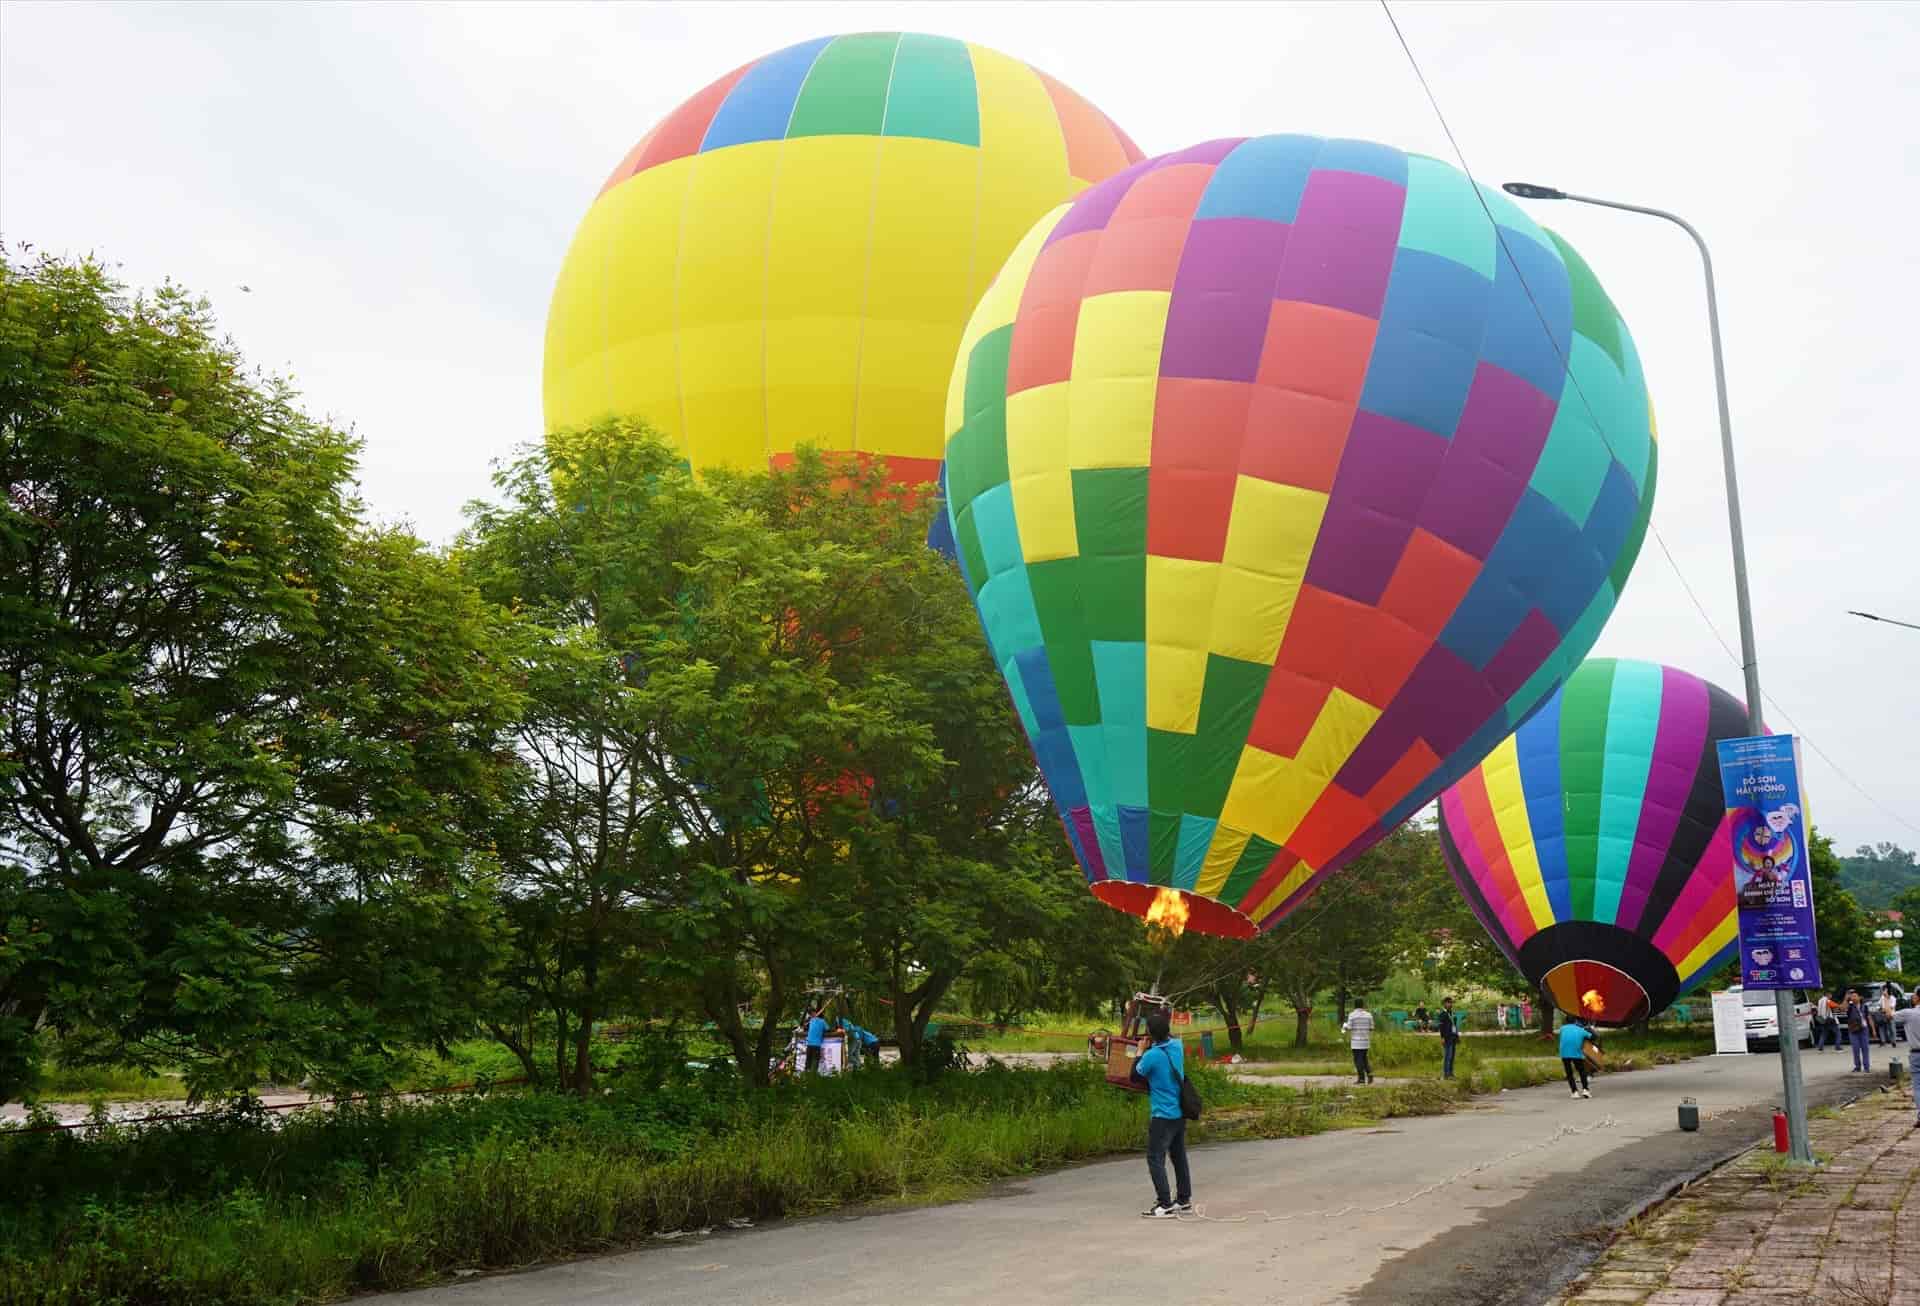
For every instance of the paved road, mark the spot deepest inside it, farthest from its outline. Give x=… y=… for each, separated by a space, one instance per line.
x=1487 y=1206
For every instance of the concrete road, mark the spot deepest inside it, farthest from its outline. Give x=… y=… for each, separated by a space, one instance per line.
x=1492 y=1205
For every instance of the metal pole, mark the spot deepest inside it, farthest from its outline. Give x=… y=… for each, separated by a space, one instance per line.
x=1796 y=1100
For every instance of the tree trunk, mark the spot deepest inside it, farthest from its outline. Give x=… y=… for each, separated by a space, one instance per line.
x=1300 y=1015
x=1223 y=999
x=1545 y=1016
x=583 y=1052
x=560 y=1076
x=1253 y=1016
x=1340 y=1003
x=521 y=1052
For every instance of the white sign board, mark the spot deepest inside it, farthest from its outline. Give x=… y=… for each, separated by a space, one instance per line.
x=1729 y=1025
x=833 y=1054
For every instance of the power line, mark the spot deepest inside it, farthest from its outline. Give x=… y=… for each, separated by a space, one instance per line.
x=1500 y=236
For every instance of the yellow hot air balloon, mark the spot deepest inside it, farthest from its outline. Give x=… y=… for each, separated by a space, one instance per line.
x=791 y=255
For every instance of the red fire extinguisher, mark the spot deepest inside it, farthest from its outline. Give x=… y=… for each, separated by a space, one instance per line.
x=1779 y=1130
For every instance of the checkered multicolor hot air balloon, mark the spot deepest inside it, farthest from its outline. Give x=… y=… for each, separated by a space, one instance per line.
x=790 y=256
x=1594 y=844
x=1279 y=504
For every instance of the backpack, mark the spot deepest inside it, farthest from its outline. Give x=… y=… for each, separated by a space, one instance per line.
x=1190 y=1107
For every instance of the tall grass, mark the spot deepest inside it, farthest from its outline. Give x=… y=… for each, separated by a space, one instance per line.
x=397 y=1195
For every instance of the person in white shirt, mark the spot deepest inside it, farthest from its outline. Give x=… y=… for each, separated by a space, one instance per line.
x=1826 y=1029
x=1359 y=1032
x=1907 y=1021
x=1883 y=1019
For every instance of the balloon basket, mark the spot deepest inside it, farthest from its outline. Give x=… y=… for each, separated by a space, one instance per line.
x=1120 y=1054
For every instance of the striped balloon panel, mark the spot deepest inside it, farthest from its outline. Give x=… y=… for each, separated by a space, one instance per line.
x=1289 y=476
x=790 y=256
x=1605 y=808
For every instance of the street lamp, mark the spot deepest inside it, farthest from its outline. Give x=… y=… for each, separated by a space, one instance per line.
x=1854 y=612
x=1796 y=1102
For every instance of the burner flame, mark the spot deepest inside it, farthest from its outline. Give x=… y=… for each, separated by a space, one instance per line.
x=1592 y=1001
x=1167 y=917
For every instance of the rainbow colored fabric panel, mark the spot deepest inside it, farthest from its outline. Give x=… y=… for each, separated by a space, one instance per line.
x=1268 y=474
x=1605 y=809
x=790 y=256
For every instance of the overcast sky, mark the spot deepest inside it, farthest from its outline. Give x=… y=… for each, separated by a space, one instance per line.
x=397 y=185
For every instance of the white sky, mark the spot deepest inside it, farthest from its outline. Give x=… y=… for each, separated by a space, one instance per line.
x=398 y=184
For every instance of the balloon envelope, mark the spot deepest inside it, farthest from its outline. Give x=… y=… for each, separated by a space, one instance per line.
x=1594 y=844
x=1280 y=506
x=790 y=256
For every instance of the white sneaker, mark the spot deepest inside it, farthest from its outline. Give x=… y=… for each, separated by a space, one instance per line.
x=1586 y=1092
x=1183 y=1208
x=1575 y=1094
x=1159 y=1212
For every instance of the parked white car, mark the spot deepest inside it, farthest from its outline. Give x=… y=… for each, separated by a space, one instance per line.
x=1763 y=1019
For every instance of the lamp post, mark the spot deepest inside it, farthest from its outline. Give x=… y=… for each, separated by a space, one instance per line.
x=1892 y=958
x=1796 y=1102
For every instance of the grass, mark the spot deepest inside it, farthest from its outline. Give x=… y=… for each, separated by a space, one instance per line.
x=106 y=1084
x=236 y=1210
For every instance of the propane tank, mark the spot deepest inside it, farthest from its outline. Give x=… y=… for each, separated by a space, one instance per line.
x=1779 y=1130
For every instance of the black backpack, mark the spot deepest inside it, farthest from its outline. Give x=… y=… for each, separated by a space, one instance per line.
x=1190 y=1106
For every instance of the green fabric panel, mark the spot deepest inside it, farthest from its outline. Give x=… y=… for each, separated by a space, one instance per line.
x=1163 y=844
x=1633 y=720
x=966 y=533
x=1253 y=860
x=1443 y=216
x=977 y=452
x=1623 y=565
x=1110 y=510
x=1193 y=772
x=1056 y=596
x=1583 y=743
x=1113 y=598
x=933 y=93
x=845 y=93
x=1594 y=315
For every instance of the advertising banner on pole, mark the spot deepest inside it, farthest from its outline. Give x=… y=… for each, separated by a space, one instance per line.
x=1729 y=1024
x=1772 y=869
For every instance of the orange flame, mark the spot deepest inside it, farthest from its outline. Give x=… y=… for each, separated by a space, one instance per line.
x=1167 y=917
x=1592 y=1000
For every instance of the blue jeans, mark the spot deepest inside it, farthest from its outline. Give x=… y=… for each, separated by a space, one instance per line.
x=1168 y=1138
x=1862 y=1060
x=1913 y=1076
x=1447 y=1049
x=1823 y=1034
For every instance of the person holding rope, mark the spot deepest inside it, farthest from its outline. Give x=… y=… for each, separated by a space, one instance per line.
x=1161 y=1068
x=1575 y=1039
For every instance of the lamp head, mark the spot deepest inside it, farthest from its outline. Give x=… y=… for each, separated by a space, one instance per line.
x=1526 y=190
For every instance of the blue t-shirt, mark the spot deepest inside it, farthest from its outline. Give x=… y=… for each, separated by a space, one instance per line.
x=1157 y=1065
x=816 y=1032
x=1572 y=1038
x=866 y=1036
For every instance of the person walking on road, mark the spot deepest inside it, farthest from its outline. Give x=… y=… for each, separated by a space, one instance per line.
x=1575 y=1039
x=1857 y=1032
x=1883 y=1016
x=1161 y=1068
x=1449 y=1037
x=1359 y=1031
x=1907 y=1021
x=1824 y=1026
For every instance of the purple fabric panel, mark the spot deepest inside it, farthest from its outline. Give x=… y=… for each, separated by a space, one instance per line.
x=1677 y=748
x=1530 y=645
x=1343 y=243
x=1384 y=475
x=1443 y=702
x=1082 y=819
x=1217 y=321
x=1205 y=152
x=1498 y=441
x=1095 y=205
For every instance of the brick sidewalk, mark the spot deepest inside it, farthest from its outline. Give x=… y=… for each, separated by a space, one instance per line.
x=1755 y=1233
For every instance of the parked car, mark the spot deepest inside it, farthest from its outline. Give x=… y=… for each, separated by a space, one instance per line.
x=1763 y=1017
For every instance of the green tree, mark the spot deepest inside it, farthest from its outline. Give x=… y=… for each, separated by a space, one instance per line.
x=1848 y=952
x=244 y=739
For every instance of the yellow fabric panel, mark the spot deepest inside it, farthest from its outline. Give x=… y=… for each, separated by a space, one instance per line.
x=1721 y=935
x=1023 y=158
x=1116 y=376
x=816 y=267
x=1501 y=771
x=1287 y=887
x=1271 y=795
x=1653 y=427
x=1272 y=528
x=610 y=342
x=1043 y=509
x=996 y=309
x=719 y=300
x=1180 y=595
x=1037 y=429
x=1223 y=854
x=1251 y=615
x=925 y=198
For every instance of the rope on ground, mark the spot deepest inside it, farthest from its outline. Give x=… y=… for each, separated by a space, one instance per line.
x=1262 y=1216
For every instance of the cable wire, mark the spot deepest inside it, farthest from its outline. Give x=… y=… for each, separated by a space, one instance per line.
x=1566 y=363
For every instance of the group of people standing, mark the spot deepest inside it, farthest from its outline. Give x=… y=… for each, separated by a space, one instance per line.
x=1862 y=1020
x=1358 y=1027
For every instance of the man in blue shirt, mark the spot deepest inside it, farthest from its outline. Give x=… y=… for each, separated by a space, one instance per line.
x=1161 y=1068
x=816 y=1038
x=1574 y=1038
x=865 y=1039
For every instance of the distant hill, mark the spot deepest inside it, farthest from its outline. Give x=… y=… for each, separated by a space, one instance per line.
x=1876 y=875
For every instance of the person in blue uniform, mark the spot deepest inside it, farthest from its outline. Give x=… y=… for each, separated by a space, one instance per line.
x=1161 y=1068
